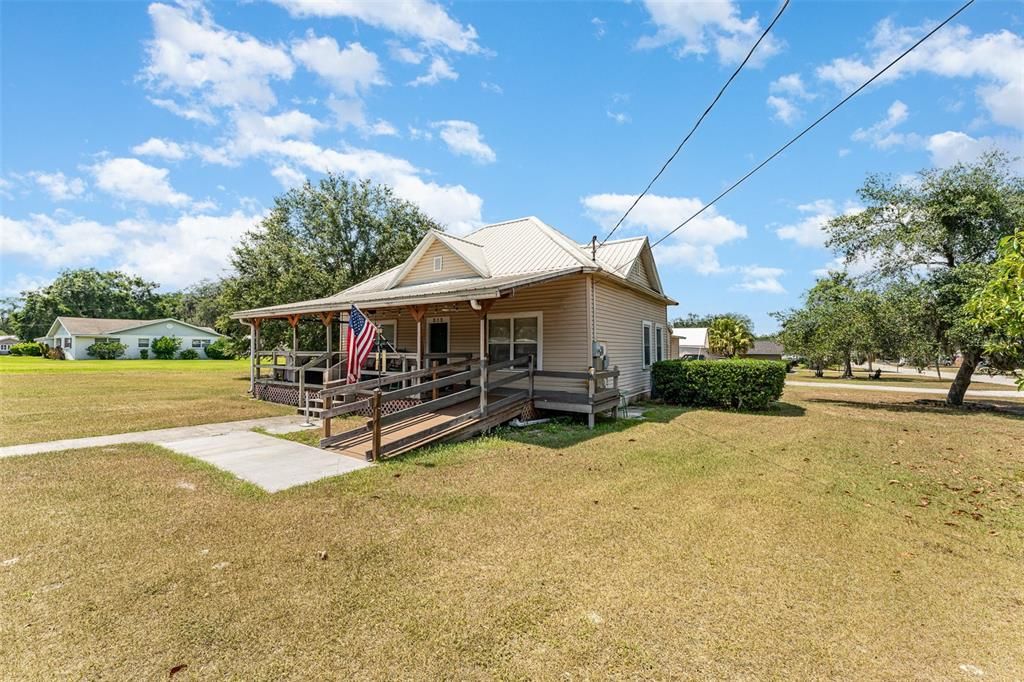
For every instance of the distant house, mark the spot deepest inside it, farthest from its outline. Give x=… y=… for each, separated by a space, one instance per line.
x=74 y=335
x=690 y=342
x=765 y=350
x=6 y=341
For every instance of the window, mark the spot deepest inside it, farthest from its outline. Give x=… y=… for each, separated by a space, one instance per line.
x=200 y=343
x=510 y=336
x=659 y=342
x=143 y=343
x=647 y=344
x=438 y=263
x=389 y=330
x=67 y=342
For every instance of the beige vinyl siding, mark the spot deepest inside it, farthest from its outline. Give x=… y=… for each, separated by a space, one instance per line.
x=453 y=266
x=620 y=314
x=638 y=274
x=565 y=343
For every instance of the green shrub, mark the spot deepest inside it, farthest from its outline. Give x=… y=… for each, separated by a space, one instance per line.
x=744 y=384
x=188 y=354
x=27 y=348
x=106 y=350
x=54 y=353
x=143 y=353
x=166 y=347
x=221 y=349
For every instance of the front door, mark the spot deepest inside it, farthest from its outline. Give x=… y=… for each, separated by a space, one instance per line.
x=437 y=337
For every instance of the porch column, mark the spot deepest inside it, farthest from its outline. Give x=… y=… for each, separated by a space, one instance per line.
x=485 y=306
x=254 y=355
x=293 y=320
x=328 y=319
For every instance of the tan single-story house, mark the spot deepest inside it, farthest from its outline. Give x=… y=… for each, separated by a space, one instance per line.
x=74 y=335
x=765 y=350
x=508 y=290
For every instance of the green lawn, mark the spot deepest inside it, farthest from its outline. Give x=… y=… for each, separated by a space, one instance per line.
x=841 y=536
x=50 y=400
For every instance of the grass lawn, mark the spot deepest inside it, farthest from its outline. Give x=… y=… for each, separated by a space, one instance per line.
x=847 y=536
x=44 y=400
x=908 y=378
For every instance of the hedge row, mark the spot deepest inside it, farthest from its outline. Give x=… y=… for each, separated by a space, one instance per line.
x=743 y=384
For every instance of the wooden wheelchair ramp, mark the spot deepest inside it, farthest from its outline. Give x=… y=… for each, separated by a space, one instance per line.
x=451 y=407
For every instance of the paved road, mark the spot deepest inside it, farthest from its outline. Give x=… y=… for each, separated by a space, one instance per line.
x=906 y=389
x=947 y=373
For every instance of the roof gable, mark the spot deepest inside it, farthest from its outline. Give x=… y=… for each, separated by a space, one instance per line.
x=469 y=260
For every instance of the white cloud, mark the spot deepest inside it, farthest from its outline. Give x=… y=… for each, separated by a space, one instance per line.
x=599 y=27
x=349 y=71
x=58 y=186
x=288 y=176
x=438 y=71
x=954 y=146
x=700 y=27
x=760 y=279
x=351 y=112
x=953 y=52
x=420 y=134
x=404 y=54
x=132 y=180
x=22 y=282
x=619 y=117
x=464 y=139
x=492 y=87
x=194 y=57
x=58 y=241
x=882 y=135
x=857 y=268
x=810 y=230
x=420 y=19
x=783 y=109
x=188 y=112
x=785 y=93
x=692 y=246
x=166 y=149
x=186 y=250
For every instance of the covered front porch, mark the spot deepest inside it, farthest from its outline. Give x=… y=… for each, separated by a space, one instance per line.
x=421 y=343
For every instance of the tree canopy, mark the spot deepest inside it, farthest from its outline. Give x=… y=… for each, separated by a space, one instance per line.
x=318 y=240
x=942 y=231
x=730 y=337
x=85 y=293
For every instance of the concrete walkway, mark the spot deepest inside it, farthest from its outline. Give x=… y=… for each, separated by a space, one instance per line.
x=271 y=463
x=906 y=389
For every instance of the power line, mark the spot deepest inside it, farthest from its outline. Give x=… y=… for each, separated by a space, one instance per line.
x=700 y=120
x=819 y=120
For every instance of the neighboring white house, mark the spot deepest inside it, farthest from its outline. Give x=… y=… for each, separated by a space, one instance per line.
x=691 y=341
x=6 y=341
x=75 y=334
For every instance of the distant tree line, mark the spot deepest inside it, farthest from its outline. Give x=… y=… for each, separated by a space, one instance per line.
x=317 y=240
x=944 y=269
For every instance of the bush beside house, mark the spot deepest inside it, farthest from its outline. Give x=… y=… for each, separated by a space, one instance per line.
x=166 y=347
x=27 y=348
x=744 y=384
x=106 y=350
x=221 y=349
x=188 y=354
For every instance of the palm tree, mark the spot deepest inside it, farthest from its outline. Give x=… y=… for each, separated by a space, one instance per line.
x=729 y=337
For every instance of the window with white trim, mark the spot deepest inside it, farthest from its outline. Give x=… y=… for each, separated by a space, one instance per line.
x=67 y=342
x=510 y=336
x=200 y=343
x=659 y=342
x=646 y=340
x=143 y=342
x=438 y=263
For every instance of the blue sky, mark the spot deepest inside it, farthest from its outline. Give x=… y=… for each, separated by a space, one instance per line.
x=150 y=137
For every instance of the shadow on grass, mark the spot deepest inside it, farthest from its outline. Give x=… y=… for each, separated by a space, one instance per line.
x=1006 y=409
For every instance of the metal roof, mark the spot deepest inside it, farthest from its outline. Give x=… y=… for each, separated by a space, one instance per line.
x=508 y=255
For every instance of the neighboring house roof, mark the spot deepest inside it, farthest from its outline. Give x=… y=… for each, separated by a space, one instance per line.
x=691 y=336
x=766 y=348
x=503 y=256
x=92 y=326
x=6 y=338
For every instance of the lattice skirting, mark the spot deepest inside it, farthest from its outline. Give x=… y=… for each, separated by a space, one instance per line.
x=283 y=395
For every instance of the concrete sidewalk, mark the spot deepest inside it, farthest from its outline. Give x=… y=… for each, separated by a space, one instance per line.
x=906 y=389
x=271 y=463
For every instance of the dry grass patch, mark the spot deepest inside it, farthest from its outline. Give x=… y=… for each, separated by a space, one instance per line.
x=43 y=400
x=695 y=544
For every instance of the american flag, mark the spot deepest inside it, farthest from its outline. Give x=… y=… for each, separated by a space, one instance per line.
x=359 y=341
